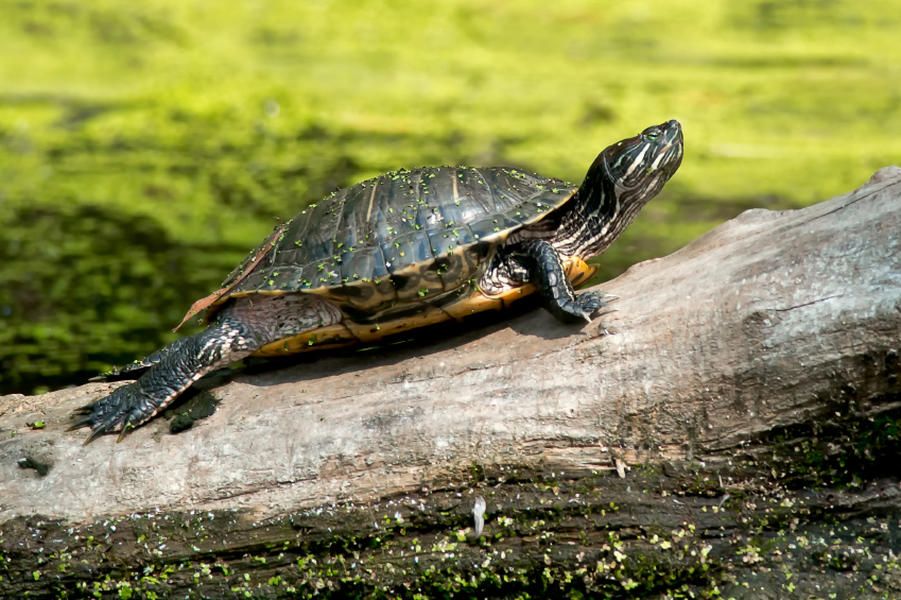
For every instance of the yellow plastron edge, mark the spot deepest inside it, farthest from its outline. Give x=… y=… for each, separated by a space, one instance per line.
x=349 y=333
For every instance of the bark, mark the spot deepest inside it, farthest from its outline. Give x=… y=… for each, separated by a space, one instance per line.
x=733 y=428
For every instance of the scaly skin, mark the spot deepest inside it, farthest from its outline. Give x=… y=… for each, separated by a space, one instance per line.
x=240 y=329
x=135 y=368
x=136 y=403
x=560 y=299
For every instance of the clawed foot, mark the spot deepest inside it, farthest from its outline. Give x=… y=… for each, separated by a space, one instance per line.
x=589 y=305
x=121 y=411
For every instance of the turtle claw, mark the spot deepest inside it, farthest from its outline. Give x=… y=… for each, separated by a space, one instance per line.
x=119 y=411
x=123 y=433
x=86 y=421
x=94 y=435
x=591 y=304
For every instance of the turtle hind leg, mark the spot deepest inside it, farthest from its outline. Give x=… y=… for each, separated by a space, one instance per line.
x=242 y=328
x=135 y=403
x=136 y=368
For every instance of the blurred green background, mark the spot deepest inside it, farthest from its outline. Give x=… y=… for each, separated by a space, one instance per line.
x=145 y=147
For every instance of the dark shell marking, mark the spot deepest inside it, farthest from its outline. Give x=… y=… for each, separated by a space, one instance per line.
x=401 y=239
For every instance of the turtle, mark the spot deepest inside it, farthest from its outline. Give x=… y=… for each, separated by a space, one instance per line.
x=404 y=250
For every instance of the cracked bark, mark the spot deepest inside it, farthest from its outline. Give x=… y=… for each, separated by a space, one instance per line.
x=748 y=393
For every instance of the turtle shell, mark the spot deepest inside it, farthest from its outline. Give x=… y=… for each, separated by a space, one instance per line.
x=394 y=242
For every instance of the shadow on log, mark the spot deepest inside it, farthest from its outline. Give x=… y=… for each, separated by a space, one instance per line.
x=736 y=433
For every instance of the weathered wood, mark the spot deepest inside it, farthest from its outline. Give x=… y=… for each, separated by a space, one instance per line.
x=748 y=392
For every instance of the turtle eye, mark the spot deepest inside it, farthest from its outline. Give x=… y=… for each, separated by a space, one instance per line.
x=653 y=134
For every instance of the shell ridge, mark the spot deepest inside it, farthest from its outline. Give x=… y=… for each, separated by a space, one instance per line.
x=338 y=208
x=480 y=197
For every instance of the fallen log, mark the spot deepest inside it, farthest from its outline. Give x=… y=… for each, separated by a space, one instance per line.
x=733 y=428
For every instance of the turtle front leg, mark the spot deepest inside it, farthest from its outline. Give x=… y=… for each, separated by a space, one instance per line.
x=240 y=330
x=547 y=272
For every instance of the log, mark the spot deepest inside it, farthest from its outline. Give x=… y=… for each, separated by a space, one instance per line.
x=733 y=428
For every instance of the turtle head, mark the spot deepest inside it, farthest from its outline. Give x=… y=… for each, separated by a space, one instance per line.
x=639 y=166
x=622 y=179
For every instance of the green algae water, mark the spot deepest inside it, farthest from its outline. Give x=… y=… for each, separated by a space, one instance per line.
x=146 y=147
